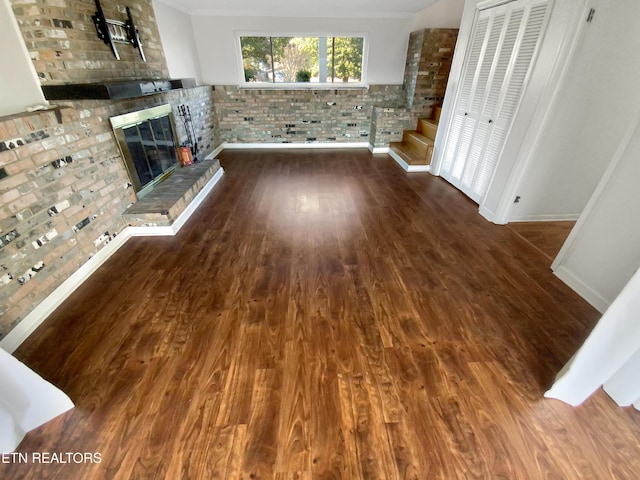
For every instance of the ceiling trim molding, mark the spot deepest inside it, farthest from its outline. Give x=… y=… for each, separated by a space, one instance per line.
x=295 y=14
x=287 y=13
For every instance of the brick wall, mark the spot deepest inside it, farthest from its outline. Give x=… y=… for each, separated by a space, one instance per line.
x=412 y=66
x=314 y=116
x=389 y=123
x=204 y=119
x=63 y=189
x=290 y=116
x=63 y=44
x=427 y=67
x=63 y=183
x=436 y=54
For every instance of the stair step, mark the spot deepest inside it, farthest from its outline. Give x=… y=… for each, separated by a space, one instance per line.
x=436 y=114
x=419 y=138
x=410 y=154
x=421 y=143
x=427 y=127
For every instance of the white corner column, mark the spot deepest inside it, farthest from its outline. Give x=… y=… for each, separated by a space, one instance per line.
x=19 y=85
x=26 y=401
x=610 y=357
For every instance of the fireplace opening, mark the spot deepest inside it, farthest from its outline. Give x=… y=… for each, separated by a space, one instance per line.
x=147 y=140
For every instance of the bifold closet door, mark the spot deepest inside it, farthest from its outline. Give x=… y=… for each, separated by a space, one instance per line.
x=503 y=43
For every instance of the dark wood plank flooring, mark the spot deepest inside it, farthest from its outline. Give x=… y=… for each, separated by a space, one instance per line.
x=324 y=315
x=546 y=236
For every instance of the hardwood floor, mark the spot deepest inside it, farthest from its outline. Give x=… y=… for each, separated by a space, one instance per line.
x=324 y=315
x=546 y=236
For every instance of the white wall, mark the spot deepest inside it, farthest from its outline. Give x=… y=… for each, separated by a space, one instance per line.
x=178 y=42
x=603 y=250
x=215 y=38
x=441 y=14
x=597 y=103
x=19 y=85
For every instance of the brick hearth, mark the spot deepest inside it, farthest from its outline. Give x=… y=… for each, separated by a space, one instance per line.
x=168 y=200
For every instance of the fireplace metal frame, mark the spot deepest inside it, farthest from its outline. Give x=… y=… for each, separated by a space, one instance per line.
x=121 y=122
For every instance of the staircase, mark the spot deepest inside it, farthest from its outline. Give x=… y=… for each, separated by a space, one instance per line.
x=414 y=152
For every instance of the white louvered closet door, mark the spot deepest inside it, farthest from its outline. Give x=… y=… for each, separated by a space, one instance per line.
x=503 y=43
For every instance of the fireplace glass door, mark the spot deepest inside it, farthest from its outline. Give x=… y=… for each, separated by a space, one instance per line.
x=147 y=141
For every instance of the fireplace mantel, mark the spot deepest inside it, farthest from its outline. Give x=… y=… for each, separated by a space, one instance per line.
x=114 y=90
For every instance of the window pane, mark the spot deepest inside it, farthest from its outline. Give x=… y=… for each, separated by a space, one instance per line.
x=164 y=142
x=134 y=142
x=281 y=58
x=302 y=59
x=296 y=59
x=346 y=59
x=256 y=59
x=150 y=148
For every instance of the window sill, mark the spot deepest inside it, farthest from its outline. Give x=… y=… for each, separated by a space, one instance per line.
x=303 y=86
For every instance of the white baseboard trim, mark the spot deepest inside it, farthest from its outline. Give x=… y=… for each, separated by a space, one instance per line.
x=151 y=231
x=545 y=218
x=215 y=152
x=565 y=217
x=418 y=168
x=406 y=167
x=257 y=146
x=40 y=313
x=195 y=203
x=375 y=150
x=174 y=228
x=594 y=298
x=487 y=214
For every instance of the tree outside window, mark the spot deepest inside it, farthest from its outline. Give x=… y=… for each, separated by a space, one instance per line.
x=302 y=59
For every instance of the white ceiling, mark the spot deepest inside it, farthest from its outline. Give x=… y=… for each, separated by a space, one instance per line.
x=302 y=8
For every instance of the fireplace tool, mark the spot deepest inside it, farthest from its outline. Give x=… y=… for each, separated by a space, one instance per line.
x=185 y=114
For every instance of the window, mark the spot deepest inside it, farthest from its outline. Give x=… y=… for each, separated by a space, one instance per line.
x=302 y=60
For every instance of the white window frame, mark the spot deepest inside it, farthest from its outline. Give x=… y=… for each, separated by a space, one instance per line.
x=302 y=85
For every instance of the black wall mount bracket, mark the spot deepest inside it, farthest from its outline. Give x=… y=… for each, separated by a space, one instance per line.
x=114 y=31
